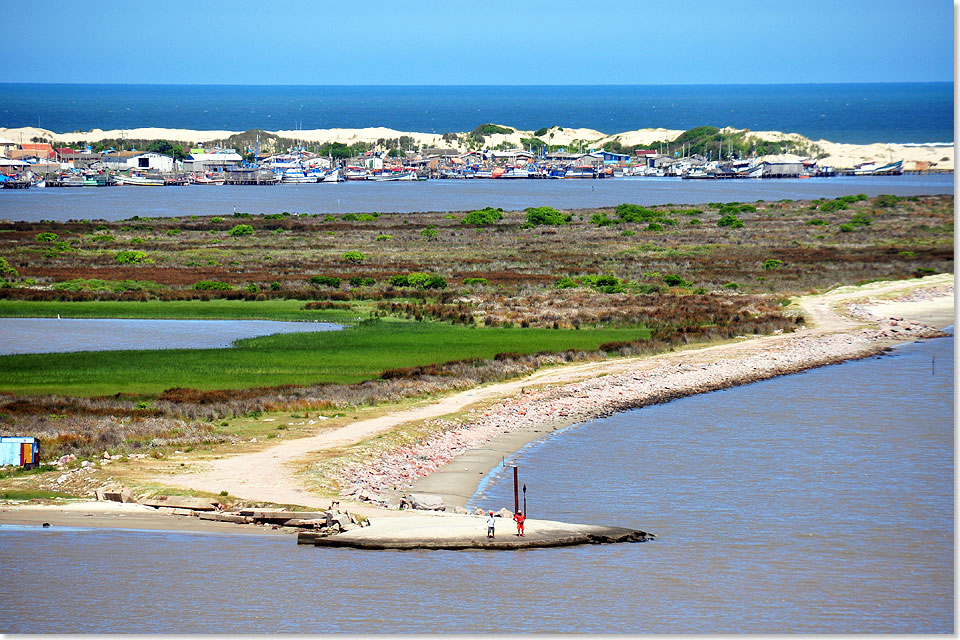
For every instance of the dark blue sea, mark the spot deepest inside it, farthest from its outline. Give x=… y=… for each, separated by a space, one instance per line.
x=854 y=113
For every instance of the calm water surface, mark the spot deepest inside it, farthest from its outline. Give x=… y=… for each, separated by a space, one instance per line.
x=819 y=502
x=118 y=203
x=842 y=112
x=51 y=335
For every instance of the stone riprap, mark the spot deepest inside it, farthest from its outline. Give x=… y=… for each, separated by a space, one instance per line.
x=683 y=375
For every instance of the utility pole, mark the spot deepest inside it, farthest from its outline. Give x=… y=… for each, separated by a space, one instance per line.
x=516 y=495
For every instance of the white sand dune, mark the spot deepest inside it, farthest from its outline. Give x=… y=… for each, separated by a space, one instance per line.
x=833 y=154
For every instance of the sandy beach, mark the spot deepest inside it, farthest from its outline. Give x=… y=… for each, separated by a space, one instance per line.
x=496 y=420
x=836 y=155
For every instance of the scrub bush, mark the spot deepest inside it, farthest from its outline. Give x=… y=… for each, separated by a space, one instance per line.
x=537 y=216
x=241 y=230
x=326 y=281
x=131 y=257
x=211 y=285
x=731 y=221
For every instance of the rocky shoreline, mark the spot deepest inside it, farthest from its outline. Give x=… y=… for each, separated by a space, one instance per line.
x=380 y=480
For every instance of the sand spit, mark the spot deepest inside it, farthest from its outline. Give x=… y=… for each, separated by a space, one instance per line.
x=838 y=155
x=649 y=381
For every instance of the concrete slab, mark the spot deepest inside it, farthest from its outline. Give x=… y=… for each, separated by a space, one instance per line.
x=448 y=531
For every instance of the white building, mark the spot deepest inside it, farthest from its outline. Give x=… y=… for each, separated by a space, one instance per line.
x=152 y=162
x=218 y=161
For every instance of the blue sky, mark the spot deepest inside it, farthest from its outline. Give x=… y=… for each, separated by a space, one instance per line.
x=491 y=42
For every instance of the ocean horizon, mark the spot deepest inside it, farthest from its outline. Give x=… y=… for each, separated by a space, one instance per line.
x=854 y=113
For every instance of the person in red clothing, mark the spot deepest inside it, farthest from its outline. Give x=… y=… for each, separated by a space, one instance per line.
x=519 y=518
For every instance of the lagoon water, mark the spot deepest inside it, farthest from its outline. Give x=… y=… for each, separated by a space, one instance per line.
x=52 y=335
x=820 y=502
x=119 y=203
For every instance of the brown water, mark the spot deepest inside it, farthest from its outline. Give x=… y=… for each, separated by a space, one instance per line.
x=820 y=502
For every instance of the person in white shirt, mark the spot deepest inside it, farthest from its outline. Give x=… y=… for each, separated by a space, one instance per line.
x=491 y=524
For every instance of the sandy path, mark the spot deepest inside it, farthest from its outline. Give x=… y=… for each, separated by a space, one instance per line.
x=270 y=475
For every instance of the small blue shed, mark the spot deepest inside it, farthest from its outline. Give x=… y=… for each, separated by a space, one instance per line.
x=19 y=450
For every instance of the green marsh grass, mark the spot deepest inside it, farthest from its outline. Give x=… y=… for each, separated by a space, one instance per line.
x=348 y=356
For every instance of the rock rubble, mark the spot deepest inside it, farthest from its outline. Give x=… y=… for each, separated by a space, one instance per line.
x=589 y=399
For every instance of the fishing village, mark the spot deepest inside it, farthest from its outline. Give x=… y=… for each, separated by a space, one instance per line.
x=488 y=152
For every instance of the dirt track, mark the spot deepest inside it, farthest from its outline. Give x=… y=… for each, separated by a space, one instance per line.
x=271 y=475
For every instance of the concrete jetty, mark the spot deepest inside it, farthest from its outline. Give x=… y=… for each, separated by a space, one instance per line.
x=461 y=532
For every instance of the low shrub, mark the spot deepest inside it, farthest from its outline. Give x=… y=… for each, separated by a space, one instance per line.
x=565 y=283
x=886 y=200
x=731 y=221
x=537 y=216
x=47 y=236
x=772 y=263
x=131 y=257
x=241 y=230
x=861 y=219
x=354 y=257
x=7 y=270
x=483 y=217
x=326 y=281
x=211 y=285
x=472 y=281
x=674 y=280
x=360 y=281
x=834 y=205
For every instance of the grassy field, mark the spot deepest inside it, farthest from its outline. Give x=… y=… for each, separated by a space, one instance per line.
x=275 y=309
x=352 y=355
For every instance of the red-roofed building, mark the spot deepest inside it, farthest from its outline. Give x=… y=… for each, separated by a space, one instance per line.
x=38 y=149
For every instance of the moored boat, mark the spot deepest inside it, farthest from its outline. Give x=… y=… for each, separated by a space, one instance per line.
x=136 y=180
x=296 y=176
x=871 y=169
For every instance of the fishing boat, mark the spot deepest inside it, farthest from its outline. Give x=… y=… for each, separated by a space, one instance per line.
x=331 y=176
x=95 y=180
x=72 y=180
x=871 y=169
x=394 y=177
x=136 y=180
x=202 y=178
x=296 y=176
x=515 y=172
x=579 y=172
x=355 y=173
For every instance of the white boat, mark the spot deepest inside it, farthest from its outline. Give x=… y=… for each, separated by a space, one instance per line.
x=139 y=180
x=296 y=176
x=332 y=176
x=579 y=172
x=871 y=169
x=394 y=177
x=515 y=173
